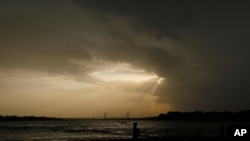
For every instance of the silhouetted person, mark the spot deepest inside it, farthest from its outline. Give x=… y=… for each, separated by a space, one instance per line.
x=222 y=130
x=136 y=132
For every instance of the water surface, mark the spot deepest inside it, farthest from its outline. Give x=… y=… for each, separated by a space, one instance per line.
x=103 y=129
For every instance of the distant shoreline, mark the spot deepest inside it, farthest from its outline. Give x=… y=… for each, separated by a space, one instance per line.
x=242 y=116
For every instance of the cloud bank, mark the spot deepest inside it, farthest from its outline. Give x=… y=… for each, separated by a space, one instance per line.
x=200 y=48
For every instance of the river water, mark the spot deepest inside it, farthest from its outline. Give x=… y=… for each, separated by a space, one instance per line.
x=66 y=130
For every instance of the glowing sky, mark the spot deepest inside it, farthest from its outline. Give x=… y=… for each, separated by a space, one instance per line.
x=83 y=58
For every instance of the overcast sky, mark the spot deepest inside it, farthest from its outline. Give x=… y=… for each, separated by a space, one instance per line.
x=81 y=58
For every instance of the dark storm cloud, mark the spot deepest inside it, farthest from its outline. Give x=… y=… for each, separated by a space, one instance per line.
x=54 y=58
x=36 y=35
x=208 y=71
x=211 y=71
x=166 y=17
x=150 y=58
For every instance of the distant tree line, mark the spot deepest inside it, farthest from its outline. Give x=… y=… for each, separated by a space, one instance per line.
x=25 y=118
x=172 y=116
x=206 y=116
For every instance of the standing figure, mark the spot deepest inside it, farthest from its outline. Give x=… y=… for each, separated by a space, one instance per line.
x=222 y=130
x=136 y=132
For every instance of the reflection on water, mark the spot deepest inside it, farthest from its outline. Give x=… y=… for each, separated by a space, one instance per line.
x=103 y=129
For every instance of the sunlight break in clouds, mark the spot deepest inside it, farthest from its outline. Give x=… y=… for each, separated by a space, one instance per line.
x=123 y=73
x=118 y=88
x=134 y=88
